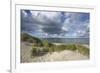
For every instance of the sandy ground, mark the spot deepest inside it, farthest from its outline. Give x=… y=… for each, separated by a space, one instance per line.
x=65 y=55
x=25 y=52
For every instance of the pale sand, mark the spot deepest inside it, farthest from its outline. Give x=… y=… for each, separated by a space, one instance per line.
x=65 y=55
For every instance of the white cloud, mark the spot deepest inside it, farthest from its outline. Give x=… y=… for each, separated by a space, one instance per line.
x=24 y=14
x=65 y=28
x=46 y=16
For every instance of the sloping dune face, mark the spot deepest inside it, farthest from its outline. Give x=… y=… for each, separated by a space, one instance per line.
x=65 y=55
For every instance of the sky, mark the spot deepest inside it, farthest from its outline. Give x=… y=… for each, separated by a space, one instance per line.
x=53 y=24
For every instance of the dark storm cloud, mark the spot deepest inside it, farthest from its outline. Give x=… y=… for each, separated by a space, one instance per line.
x=50 y=26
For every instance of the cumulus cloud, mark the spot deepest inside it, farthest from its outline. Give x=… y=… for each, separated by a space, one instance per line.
x=55 y=24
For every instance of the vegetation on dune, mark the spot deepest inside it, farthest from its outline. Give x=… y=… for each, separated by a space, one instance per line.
x=39 y=51
x=57 y=48
x=41 y=47
x=83 y=50
x=28 y=38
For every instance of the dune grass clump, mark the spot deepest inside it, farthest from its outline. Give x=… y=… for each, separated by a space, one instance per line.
x=83 y=50
x=80 y=48
x=71 y=47
x=57 y=48
x=64 y=47
x=28 y=38
x=39 y=51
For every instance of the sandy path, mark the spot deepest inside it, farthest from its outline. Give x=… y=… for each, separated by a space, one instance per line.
x=65 y=55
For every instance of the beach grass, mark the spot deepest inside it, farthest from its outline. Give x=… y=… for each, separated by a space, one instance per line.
x=83 y=50
x=58 y=48
x=41 y=47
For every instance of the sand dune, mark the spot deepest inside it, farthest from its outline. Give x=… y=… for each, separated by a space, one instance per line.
x=65 y=55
